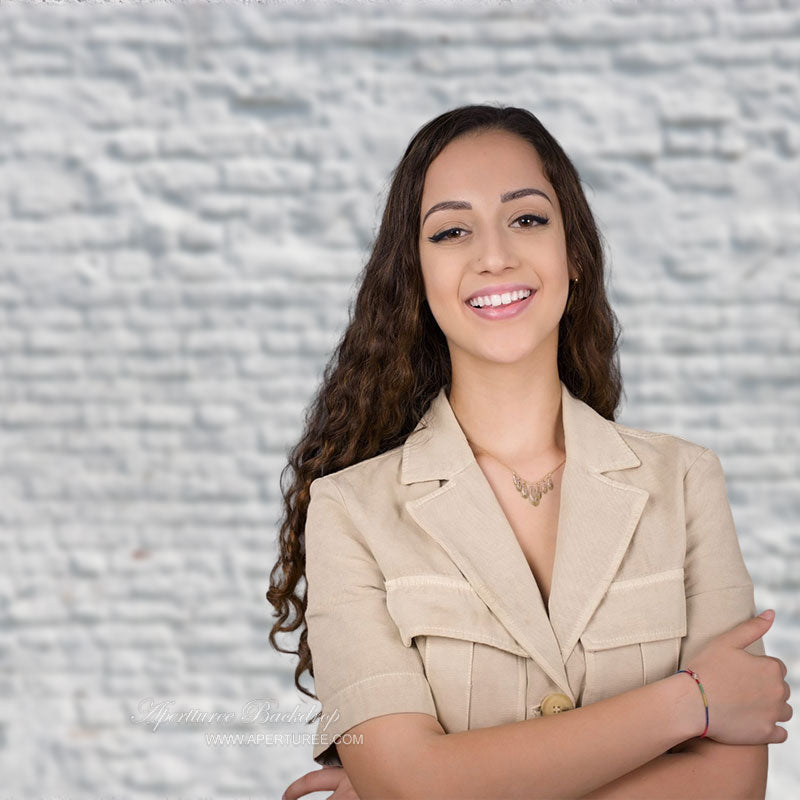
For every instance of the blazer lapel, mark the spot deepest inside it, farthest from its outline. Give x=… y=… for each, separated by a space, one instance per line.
x=597 y=518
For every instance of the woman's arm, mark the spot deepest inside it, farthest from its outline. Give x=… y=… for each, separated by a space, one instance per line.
x=563 y=755
x=702 y=769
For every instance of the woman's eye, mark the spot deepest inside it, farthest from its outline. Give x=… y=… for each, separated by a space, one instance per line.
x=540 y=219
x=443 y=235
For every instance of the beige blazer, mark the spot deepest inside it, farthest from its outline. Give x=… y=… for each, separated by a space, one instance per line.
x=420 y=597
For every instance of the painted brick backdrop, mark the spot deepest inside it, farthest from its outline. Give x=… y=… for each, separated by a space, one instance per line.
x=187 y=194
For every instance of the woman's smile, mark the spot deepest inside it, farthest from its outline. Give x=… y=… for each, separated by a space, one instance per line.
x=500 y=307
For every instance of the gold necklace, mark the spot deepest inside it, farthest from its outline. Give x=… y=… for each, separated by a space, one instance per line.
x=530 y=491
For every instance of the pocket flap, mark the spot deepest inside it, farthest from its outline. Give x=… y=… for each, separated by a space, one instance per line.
x=640 y=609
x=438 y=605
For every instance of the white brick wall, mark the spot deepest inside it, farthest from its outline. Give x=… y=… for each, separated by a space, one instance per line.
x=173 y=177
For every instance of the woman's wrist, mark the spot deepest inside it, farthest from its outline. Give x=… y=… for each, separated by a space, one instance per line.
x=685 y=699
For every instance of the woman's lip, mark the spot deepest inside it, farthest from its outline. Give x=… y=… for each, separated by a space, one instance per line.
x=503 y=312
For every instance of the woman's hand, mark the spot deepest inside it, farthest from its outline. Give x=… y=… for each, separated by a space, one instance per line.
x=747 y=694
x=321 y=780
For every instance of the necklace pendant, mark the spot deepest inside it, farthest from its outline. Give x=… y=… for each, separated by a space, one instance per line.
x=530 y=491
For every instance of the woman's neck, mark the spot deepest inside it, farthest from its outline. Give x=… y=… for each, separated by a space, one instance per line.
x=519 y=426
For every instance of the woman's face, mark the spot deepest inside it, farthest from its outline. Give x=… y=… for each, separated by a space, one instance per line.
x=492 y=244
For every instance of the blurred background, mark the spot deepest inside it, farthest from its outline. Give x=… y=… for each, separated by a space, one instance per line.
x=188 y=192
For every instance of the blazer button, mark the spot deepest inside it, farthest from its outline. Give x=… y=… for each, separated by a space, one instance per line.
x=556 y=703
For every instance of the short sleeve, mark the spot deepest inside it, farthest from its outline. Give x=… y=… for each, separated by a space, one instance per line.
x=719 y=590
x=362 y=669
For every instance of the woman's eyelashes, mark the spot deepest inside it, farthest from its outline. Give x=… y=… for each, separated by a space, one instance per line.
x=541 y=219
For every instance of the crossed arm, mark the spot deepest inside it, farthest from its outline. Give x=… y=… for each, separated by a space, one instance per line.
x=699 y=768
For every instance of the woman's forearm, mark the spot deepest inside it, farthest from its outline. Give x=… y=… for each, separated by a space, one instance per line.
x=564 y=755
x=703 y=770
x=671 y=776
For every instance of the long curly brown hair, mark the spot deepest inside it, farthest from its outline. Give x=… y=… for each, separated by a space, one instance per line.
x=393 y=358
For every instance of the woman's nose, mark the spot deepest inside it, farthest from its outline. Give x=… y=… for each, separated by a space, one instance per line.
x=494 y=251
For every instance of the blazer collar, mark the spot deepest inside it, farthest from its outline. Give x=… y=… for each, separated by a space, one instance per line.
x=597 y=517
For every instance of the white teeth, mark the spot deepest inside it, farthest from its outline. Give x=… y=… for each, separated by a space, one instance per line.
x=499 y=299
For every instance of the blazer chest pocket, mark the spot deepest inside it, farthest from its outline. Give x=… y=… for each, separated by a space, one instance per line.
x=475 y=668
x=634 y=636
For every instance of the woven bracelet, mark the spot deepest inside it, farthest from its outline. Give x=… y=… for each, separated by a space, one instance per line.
x=694 y=675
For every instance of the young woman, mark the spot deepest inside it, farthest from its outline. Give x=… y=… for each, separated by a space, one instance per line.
x=484 y=547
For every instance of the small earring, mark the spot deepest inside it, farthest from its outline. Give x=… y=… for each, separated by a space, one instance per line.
x=574 y=282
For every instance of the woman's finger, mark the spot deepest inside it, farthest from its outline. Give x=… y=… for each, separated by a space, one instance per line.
x=318 y=780
x=345 y=792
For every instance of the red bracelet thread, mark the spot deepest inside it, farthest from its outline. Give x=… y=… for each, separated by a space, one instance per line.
x=691 y=673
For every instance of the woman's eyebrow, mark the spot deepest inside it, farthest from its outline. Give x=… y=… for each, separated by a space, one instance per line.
x=460 y=205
